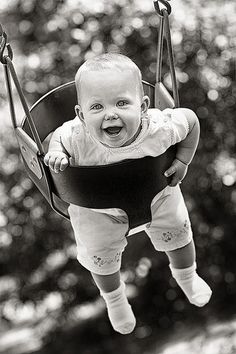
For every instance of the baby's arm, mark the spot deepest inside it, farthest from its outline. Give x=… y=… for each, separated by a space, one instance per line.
x=185 y=149
x=57 y=157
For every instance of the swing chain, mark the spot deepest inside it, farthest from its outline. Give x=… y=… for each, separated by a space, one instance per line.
x=3 y=46
x=11 y=73
x=165 y=31
x=160 y=11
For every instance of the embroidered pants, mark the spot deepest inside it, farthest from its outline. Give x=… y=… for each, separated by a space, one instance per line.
x=101 y=235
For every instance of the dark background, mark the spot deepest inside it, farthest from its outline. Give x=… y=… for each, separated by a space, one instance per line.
x=48 y=303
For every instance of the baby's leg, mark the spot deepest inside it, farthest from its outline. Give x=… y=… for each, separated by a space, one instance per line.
x=183 y=269
x=101 y=239
x=170 y=231
x=183 y=257
x=120 y=313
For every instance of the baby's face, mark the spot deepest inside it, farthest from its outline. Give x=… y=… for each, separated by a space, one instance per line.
x=111 y=106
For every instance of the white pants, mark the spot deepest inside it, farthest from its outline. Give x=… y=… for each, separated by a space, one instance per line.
x=101 y=235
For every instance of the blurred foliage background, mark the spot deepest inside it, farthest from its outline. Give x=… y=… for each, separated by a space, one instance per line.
x=48 y=303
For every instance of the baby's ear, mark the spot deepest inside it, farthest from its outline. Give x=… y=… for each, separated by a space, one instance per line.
x=79 y=113
x=145 y=104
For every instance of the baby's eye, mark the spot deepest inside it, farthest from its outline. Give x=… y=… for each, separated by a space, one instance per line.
x=122 y=103
x=96 y=106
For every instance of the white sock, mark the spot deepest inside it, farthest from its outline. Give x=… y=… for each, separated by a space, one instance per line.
x=119 y=310
x=194 y=287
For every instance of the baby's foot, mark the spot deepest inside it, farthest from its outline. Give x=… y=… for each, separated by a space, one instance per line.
x=119 y=310
x=194 y=287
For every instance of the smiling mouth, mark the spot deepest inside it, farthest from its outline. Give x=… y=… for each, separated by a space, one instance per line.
x=113 y=131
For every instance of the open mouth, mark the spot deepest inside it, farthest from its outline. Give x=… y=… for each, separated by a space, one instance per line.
x=113 y=131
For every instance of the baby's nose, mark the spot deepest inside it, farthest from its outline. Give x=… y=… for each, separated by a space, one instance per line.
x=111 y=116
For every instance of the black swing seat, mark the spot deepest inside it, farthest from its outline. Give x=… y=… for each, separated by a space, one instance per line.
x=129 y=185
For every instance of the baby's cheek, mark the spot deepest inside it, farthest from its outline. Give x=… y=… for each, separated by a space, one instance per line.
x=94 y=130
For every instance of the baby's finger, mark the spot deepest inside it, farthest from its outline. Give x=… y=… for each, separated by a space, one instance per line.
x=64 y=164
x=46 y=159
x=51 y=162
x=170 y=171
x=57 y=165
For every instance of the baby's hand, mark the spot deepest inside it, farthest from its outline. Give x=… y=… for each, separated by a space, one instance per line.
x=178 y=169
x=56 y=160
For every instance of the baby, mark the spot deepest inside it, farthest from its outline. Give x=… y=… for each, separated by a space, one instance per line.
x=114 y=123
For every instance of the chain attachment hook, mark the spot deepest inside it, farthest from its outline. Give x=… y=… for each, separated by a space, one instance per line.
x=3 y=46
x=160 y=11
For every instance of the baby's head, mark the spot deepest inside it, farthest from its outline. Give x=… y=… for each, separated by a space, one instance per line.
x=111 y=100
x=108 y=61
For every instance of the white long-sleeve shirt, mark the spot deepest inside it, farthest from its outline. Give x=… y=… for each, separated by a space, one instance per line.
x=160 y=130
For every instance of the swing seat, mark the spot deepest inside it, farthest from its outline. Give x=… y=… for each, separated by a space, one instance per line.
x=129 y=185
